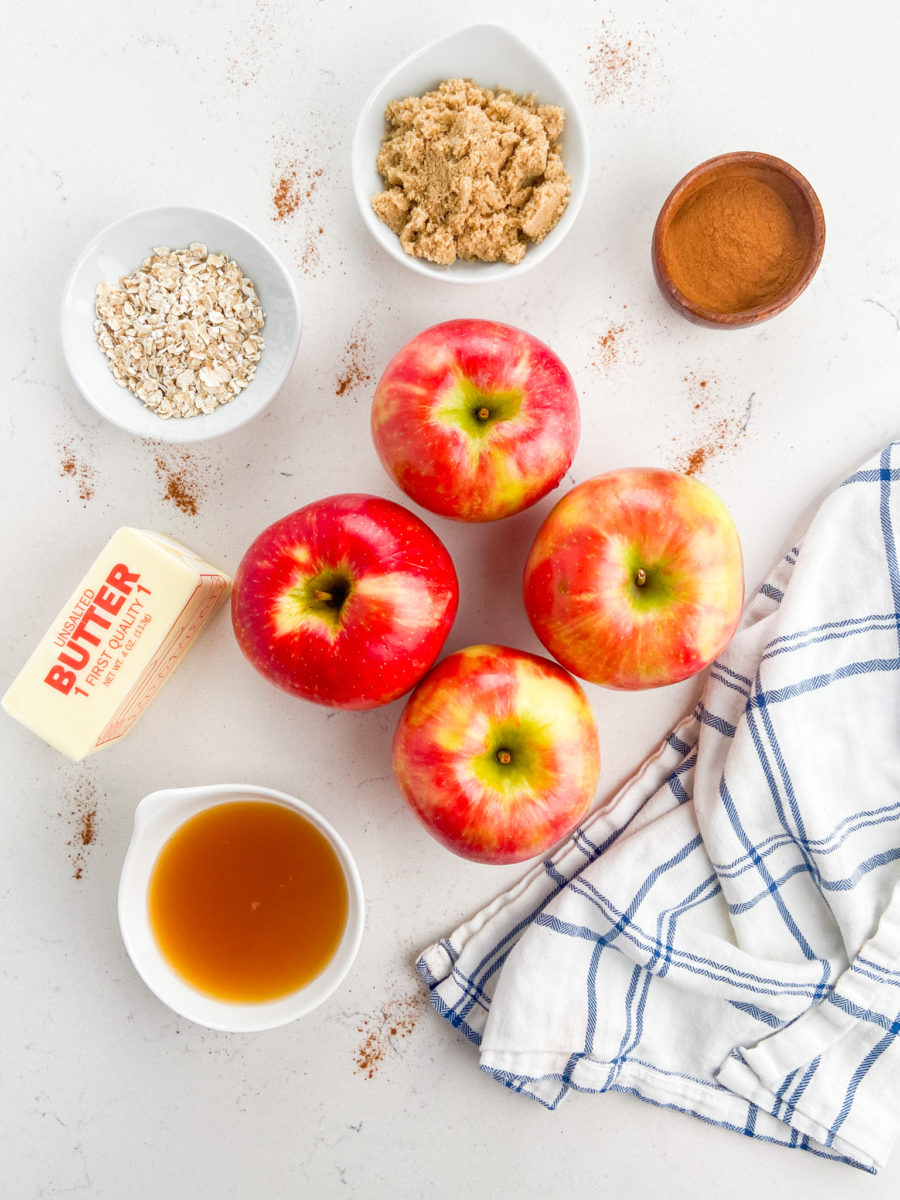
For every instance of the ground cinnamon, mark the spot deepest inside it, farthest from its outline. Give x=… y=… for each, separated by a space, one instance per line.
x=356 y=367
x=733 y=245
x=617 y=63
x=381 y=1032
x=82 y=818
x=74 y=468
x=182 y=477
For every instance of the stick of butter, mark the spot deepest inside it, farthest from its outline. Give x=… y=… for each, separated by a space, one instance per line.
x=120 y=635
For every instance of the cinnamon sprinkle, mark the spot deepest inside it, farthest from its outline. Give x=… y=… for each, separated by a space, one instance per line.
x=180 y=496
x=380 y=1033
x=613 y=346
x=71 y=466
x=177 y=490
x=616 y=63
x=356 y=366
x=183 y=475
x=256 y=42
x=294 y=184
x=82 y=817
x=722 y=433
x=607 y=344
x=287 y=197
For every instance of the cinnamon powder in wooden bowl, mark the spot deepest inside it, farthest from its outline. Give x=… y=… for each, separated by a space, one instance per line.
x=738 y=239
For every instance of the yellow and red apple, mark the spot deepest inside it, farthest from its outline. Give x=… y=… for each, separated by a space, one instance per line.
x=475 y=420
x=635 y=578
x=346 y=602
x=497 y=753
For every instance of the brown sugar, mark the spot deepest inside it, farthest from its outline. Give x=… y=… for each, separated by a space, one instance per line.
x=471 y=173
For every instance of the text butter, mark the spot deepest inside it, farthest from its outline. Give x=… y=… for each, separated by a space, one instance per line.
x=120 y=635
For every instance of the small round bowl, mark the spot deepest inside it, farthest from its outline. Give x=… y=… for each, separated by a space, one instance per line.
x=156 y=818
x=494 y=57
x=119 y=250
x=803 y=205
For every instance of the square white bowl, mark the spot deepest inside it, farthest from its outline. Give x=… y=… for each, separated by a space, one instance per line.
x=119 y=250
x=494 y=57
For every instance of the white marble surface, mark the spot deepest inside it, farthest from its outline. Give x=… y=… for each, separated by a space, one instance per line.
x=116 y=106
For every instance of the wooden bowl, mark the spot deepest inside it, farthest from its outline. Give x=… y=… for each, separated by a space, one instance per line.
x=809 y=226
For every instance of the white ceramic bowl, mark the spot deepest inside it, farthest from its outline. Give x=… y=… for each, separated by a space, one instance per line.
x=493 y=57
x=156 y=818
x=119 y=250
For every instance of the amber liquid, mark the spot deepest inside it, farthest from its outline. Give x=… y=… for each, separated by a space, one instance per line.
x=248 y=901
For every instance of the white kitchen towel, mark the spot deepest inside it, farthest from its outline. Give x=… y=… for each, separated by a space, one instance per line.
x=723 y=936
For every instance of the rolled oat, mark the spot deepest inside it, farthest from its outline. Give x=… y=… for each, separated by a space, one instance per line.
x=182 y=332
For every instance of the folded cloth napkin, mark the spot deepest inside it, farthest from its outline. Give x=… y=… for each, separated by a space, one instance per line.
x=723 y=936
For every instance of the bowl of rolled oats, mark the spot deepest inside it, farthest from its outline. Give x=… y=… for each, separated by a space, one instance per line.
x=179 y=324
x=470 y=159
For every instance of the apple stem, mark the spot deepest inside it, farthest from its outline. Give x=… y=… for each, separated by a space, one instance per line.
x=504 y=757
x=641 y=577
x=483 y=413
x=322 y=597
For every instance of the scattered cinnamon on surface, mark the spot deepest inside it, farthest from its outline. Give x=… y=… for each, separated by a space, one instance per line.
x=179 y=495
x=286 y=199
x=356 y=369
x=177 y=489
x=722 y=436
x=81 y=816
x=614 y=346
x=696 y=459
x=73 y=467
x=309 y=255
x=380 y=1033
x=616 y=62
x=294 y=186
x=700 y=387
x=722 y=432
x=608 y=350
x=256 y=38
x=293 y=182
x=181 y=474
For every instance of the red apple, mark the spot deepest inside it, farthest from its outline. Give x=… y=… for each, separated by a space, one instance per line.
x=635 y=578
x=475 y=420
x=346 y=602
x=497 y=753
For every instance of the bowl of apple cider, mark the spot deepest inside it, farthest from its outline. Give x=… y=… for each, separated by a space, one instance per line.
x=240 y=907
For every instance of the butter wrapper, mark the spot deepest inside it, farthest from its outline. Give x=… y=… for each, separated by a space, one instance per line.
x=119 y=636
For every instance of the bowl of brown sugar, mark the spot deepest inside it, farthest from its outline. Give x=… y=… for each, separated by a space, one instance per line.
x=738 y=239
x=470 y=159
